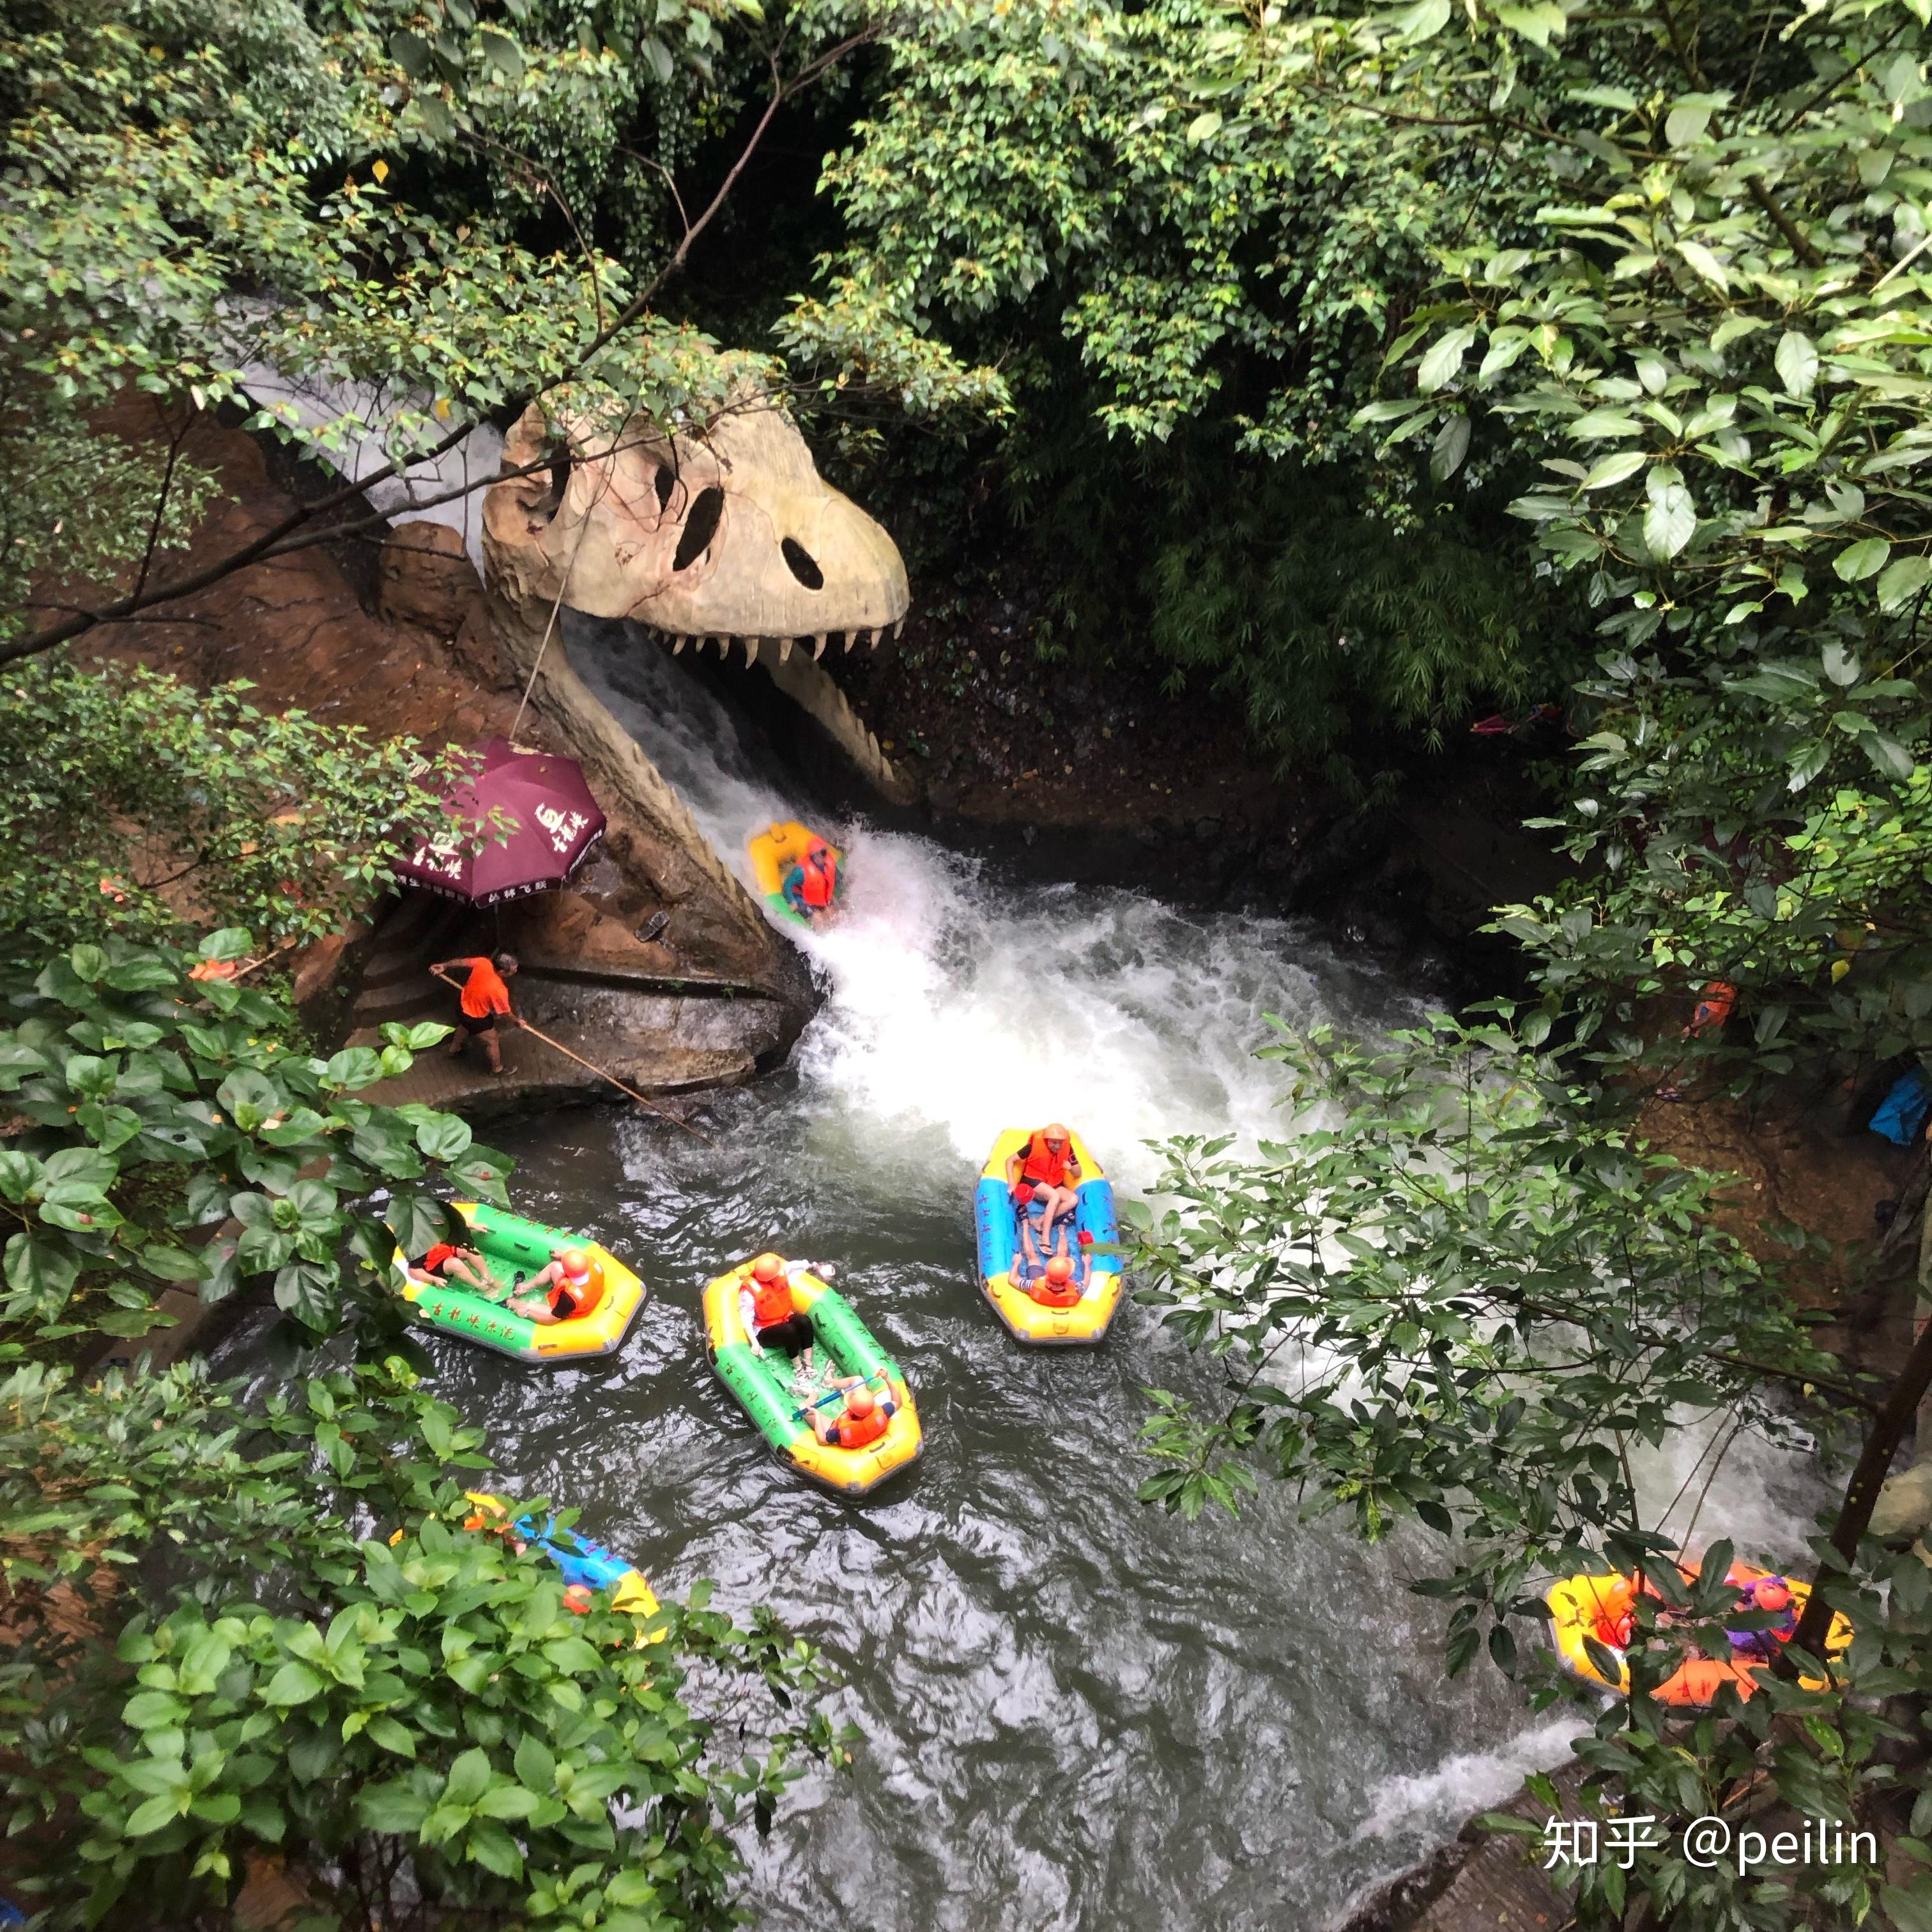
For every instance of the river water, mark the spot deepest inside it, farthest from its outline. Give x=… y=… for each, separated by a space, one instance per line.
x=1077 y=1712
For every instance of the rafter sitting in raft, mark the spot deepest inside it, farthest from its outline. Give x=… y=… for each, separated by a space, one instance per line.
x=1037 y=1266
x=799 y=875
x=1602 y=1611
x=763 y=1323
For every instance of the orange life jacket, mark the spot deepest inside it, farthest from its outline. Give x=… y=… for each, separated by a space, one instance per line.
x=854 y=1432
x=584 y=1291
x=821 y=881
x=1053 y=1295
x=1714 y=1005
x=1041 y=1164
x=771 y=1301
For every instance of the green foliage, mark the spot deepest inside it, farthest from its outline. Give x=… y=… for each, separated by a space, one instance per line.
x=1041 y=165
x=1385 y=1284
x=1181 y=311
x=1762 y=820
x=433 y=213
x=136 y=806
x=415 y=1720
x=1460 y=1299
x=172 y=1137
x=1269 y=582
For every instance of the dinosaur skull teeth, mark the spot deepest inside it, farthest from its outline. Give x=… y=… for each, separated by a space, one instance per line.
x=818 y=645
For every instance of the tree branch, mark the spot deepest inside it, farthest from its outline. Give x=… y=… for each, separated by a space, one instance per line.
x=273 y=542
x=1894 y=1422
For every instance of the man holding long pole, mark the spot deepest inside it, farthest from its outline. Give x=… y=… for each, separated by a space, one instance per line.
x=486 y=999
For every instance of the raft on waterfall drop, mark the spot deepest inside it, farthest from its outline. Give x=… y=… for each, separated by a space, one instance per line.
x=761 y=1380
x=514 y=1249
x=774 y=851
x=1028 y=1318
x=1601 y=1607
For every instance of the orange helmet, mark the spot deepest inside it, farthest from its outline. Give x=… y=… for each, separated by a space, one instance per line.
x=1772 y=1596
x=1060 y=1269
x=859 y=1403
x=576 y=1263
x=1057 y=1131
x=768 y=1268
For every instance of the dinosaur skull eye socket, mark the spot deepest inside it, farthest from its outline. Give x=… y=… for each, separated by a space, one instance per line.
x=803 y=567
x=699 y=527
x=664 y=482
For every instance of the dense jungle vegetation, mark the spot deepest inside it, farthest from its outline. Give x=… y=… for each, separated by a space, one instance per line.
x=1376 y=367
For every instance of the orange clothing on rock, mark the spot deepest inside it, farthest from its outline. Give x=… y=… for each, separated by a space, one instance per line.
x=1714 y=1006
x=484 y=992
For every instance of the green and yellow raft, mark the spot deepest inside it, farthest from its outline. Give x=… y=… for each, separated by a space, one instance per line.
x=515 y=1248
x=761 y=1381
x=773 y=853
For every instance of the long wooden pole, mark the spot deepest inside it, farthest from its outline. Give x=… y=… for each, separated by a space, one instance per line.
x=591 y=1065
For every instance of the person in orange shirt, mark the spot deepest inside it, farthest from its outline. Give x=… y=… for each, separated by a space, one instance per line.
x=486 y=999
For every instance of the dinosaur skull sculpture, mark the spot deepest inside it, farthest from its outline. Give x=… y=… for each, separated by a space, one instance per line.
x=730 y=535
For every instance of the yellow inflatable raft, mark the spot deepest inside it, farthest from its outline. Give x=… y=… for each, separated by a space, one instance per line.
x=1020 y=1297
x=761 y=1380
x=774 y=852
x=1601 y=1607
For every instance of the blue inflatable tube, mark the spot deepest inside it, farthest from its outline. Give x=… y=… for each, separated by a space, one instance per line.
x=997 y=1226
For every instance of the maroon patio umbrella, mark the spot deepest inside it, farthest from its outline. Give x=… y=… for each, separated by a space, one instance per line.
x=555 y=822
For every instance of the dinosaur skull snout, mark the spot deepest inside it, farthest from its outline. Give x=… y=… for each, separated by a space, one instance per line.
x=734 y=534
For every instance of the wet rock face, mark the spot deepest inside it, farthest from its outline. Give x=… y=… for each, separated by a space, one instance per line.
x=425 y=579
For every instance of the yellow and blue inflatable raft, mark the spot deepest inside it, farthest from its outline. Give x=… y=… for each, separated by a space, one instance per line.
x=515 y=1248
x=1016 y=1289
x=584 y=1564
x=761 y=1381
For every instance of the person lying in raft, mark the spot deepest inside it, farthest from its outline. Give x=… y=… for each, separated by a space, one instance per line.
x=771 y=1318
x=1048 y=1165
x=1039 y=1249
x=810 y=883
x=461 y=1267
x=1062 y=1285
x=570 y=1285
x=862 y=1418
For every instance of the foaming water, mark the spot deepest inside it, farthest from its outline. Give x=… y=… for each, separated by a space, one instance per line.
x=963 y=1003
x=1077 y=1712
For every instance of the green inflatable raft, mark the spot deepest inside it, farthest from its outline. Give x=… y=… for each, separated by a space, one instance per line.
x=761 y=1381
x=515 y=1248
